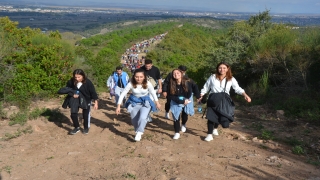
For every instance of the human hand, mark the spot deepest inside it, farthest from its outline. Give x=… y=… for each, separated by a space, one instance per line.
x=118 y=110
x=164 y=94
x=159 y=90
x=95 y=106
x=186 y=101
x=247 y=98
x=158 y=105
x=75 y=95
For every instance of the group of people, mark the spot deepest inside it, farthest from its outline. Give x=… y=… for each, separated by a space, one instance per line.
x=131 y=60
x=145 y=84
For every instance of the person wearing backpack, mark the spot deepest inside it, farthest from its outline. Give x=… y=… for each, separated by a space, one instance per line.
x=154 y=73
x=121 y=79
x=154 y=77
x=221 y=81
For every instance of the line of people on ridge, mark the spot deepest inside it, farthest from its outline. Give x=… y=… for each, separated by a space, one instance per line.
x=177 y=87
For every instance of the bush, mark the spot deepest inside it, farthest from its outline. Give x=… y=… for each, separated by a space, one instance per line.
x=19 y=118
x=37 y=66
x=34 y=114
x=302 y=107
x=298 y=150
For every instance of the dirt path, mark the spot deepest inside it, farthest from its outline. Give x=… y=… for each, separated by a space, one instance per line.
x=109 y=151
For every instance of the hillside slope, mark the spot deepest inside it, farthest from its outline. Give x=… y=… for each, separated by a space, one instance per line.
x=109 y=150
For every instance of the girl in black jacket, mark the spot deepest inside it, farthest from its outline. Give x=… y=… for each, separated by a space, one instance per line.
x=80 y=83
x=181 y=90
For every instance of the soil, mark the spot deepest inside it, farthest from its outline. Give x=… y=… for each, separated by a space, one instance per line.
x=110 y=152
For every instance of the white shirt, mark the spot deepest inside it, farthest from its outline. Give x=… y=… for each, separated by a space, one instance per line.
x=138 y=91
x=215 y=86
x=79 y=84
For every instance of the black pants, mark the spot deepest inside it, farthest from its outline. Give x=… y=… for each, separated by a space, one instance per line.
x=176 y=124
x=167 y=105
x=211 y=126
x=218 y=118
x=86 y=118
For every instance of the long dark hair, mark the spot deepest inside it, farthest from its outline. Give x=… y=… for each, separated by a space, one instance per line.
x=79 y=72
x=173 y=82
x=228 y=74
x=144 y=82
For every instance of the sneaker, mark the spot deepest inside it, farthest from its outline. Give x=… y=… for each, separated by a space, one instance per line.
x=167 y=115
x=215 y=132
x=176 y=136
x=183 y=128
x=138 y=136
x=209 y=138
x=85 y=131
x=74 y=131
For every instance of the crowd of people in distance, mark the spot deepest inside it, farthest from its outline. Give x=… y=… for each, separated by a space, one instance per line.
x=132 y=58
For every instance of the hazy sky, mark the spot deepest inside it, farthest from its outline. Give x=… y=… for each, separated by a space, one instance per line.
x=276 y=6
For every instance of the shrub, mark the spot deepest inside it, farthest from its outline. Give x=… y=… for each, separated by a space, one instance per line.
x=298 y=150
x=19 y=118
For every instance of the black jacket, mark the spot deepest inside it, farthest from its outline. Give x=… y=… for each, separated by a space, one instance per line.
x=222 y=104
x=87 y=89
x=192 y=88
x=73 y=103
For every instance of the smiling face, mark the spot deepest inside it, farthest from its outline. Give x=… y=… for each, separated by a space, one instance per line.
x=177 y=75
x=139 y=77
x=78 y=77
x=223 y=69
x=148 y=66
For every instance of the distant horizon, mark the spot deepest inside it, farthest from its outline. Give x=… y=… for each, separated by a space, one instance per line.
x=310 y=7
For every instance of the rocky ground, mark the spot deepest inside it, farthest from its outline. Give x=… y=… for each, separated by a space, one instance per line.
x=46 y=151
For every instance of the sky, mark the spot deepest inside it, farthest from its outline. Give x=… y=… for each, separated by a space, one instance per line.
x=256 y=6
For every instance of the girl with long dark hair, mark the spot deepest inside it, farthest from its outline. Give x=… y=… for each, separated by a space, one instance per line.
x=139 y=102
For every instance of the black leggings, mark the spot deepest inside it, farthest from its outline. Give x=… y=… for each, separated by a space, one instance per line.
x=176 y=124
x=217 y=118
x=167 y=105
x=86 y=118
x=211 y=126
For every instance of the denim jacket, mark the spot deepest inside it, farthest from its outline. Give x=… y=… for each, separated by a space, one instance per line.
x=133 y=100
x=177 y=108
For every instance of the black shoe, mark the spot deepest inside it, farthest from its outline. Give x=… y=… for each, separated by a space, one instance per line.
x=85 y=131
x=74 y=131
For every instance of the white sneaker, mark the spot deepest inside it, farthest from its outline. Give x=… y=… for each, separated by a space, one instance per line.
x=167 y=115
x=138 y=136
x=209 y=138
x=176 y=136
x=183 y=128
x=215 y=132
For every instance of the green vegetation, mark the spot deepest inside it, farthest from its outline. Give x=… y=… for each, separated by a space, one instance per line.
x=7 y=169
x=275 y=63
x=101 y=53
x=129 y=176
x=32 y=64
x=19 y=132
x=22 y=117
x=298 y=150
